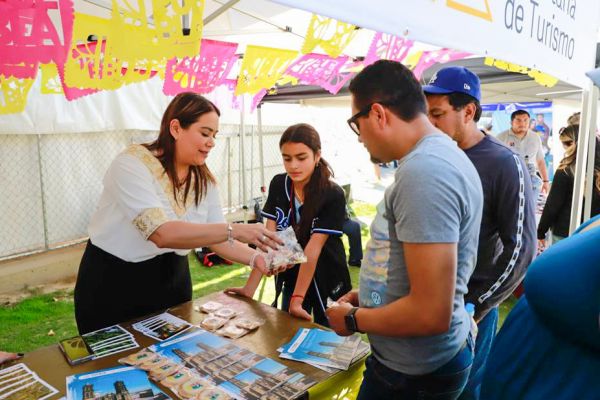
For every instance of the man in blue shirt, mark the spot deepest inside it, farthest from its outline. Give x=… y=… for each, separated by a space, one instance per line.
x=507 y=240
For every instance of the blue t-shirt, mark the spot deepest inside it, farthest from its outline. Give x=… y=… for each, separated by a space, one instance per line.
x=436 y=197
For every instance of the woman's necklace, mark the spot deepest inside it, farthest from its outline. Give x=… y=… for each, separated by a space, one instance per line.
x=299 y=196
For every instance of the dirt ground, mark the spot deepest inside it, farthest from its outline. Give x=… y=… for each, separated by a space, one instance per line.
x=7 y=299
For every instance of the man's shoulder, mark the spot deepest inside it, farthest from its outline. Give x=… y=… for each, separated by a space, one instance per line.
x=503 y=135
x=499 y=149
x=534 y=137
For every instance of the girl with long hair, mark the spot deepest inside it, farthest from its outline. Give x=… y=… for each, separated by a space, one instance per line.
x=159 y=201
x=557 y=211
x=306 y=198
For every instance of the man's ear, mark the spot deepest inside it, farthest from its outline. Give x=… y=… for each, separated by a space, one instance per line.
x=470 y=110
x=175 y=128
x=380 y=114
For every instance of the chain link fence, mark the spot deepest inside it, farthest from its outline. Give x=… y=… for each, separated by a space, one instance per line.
x=51 y=183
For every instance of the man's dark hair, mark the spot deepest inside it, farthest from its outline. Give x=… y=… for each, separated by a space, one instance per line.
x=458 y=101
x=392 y=85
x=517 y=113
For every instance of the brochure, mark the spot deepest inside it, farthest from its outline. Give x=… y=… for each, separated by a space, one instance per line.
x=113 y=383
x=322 y=348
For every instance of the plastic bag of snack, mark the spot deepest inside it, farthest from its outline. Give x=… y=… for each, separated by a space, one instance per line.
x=225 y=312
x=193 y=387
x=231 y=331
x=137 y=358
x=160 y=372
x=248 y=323
x=212 y=323
x=289 y=253
x=210 y=306
x=213 y=394
x=154 y=362
x=177 y=379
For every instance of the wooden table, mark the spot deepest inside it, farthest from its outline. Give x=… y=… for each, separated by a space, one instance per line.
x=279 y=328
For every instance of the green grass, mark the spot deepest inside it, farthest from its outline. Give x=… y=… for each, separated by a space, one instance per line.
x=25 y=325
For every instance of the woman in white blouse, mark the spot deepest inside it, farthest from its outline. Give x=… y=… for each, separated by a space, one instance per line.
x=159 y=201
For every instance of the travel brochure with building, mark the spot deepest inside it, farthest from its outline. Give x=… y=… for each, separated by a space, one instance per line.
x=323 y=348
x=162 y=326
x=113 y=383
x=237 y=371
x=18 y=382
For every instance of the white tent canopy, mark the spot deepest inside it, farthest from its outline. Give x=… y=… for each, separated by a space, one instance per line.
x=557 y=37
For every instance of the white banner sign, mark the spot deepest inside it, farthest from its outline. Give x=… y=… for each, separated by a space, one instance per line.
x=557 y=37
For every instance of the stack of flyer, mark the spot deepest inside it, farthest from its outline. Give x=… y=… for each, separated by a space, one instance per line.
x=19 y=382
x=324 y=349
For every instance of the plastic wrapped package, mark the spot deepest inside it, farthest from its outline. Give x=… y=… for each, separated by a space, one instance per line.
x=289 y=253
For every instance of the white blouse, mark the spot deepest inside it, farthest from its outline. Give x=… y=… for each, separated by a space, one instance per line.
x=137 y=199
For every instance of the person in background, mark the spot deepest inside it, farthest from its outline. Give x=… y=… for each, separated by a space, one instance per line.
x=557 y=211
x=574 y=118
x=507 y=240
x=413 y=311
x=542 y=129
x=305 y=198
x=351 y=228
x=529 y=146
x=159 y=201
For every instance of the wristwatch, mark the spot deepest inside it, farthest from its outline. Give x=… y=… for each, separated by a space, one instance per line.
x=350 y=320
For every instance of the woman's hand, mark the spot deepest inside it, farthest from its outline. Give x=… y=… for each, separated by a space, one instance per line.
x=6 y=357
x=256 y=234
x=296 y=309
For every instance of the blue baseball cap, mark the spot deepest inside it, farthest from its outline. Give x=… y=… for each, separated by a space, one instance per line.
x=454 y=80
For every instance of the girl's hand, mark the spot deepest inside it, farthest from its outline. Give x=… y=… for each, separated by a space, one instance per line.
x=296 y=309
x=239 y=291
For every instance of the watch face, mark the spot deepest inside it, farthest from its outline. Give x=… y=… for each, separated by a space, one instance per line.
x=350 y=321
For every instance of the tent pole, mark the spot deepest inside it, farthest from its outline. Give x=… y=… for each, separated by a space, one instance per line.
x=589 y=102
x=243 y=149
x=220 y=11
x=261 y=154
x=229 y=191
x=591 y=152
x=251 y=162
x=42 y=192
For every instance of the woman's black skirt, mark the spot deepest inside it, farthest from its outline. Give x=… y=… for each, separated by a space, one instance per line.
x=110 y=290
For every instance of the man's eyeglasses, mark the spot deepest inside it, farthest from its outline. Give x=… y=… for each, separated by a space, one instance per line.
x=353 y=120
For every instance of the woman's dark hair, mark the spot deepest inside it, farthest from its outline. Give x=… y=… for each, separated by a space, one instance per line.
x=319 y=180
x=186 y=107
x=568 y=162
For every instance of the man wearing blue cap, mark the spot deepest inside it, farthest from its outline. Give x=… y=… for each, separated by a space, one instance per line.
x=507 y=235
